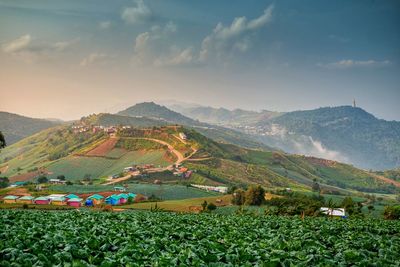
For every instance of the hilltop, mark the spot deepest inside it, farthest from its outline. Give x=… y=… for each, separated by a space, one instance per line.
x=348 y=134
x=16 y=127
x=87 y=150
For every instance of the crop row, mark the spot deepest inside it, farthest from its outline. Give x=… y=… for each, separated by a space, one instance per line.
x=42 y=238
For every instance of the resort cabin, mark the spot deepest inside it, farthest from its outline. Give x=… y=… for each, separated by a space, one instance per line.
x=59 y=201
x=55 y=196
x=25 y=200
x=17 y=184
x=10 y=199
x=119 y=188
x=123 y=198
x=41 y=201
x=74 y=202
x=71 y=196
x=96 y=199
x=112 y=200
x=336 y=212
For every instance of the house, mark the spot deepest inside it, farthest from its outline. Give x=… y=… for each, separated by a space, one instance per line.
x=129 y=169
x=182 y=136
x=123 y=198
x=25 y=200
x=41 y=201
x=57 y=181
x=71 y=196
x=220 y=189
x=59 y=201
x=20 y=184
x=131 y=195
x=10 y=199
x=112 y=200
x=74 y=202
x=55 y=196
x=96 y=199
x=119 y=188
x=338 y=212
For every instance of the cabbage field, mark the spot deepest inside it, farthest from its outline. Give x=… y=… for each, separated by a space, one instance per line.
x=48 y=238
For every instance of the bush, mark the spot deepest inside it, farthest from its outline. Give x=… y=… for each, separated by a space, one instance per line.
x=238 y=197
x=255 y=195
x=392 y=212
x=211 y=207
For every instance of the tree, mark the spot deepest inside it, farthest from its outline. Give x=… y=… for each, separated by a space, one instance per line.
x=61 y=177
x=42 y=179
x=130 y=200
x=2 y=141
x=4 y=182
x=392 y=212
x=315 y=186
x=255 y=195
x=87 y=177
x=238 y=197
x=211 y=207
x=69 y=183
x=204 y=205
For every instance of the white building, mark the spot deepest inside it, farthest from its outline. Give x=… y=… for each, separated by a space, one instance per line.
x=220 y=189
x=183 y=136
x=334 y=212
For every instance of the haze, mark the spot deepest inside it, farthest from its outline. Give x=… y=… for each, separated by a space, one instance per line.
x=66 y=59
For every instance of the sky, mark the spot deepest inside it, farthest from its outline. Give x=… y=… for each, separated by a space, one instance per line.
x=70 y=58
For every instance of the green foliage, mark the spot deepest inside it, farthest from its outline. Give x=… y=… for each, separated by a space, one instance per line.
x=296 y=204
x=239 y=197
x=2 y=140
x=211 y=207
x=42 y=179
x=168 y=239
x=392 y=212
x=352 y=208
x=4 y=182
x=255 y=195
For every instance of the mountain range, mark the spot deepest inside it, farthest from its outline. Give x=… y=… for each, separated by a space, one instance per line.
x=348 y=134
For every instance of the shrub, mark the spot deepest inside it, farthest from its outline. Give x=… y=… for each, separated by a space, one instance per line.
x=392 y=212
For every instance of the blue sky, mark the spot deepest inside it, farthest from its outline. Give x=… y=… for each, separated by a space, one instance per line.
x=67 y=59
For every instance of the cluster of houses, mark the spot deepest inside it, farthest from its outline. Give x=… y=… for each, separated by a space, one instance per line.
x=71 y=200
x=111 y=130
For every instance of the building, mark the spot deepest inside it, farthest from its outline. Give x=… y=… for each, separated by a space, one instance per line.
x=112 y=200
x=183 y=136
x=129 y=169
x=59 y=201
x=41 y=201
x=71 y=196
x=119 y=188
x=74 y=202
x=16 y=184
x=25 y=200
x=96 y=199
x=55 y=196
x=337 y=212
x=57 y=181
x=219 y=189
x=123 y=198
x=10 y=199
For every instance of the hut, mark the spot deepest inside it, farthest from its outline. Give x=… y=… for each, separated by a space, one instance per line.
x=74 y=202
x=123 y=198
x=25 y=200
x=71 y=196
x=119 y=188
x=59 y=201
x=42 y=201
x=96 y=199
x=10 y=199
x=112 y=200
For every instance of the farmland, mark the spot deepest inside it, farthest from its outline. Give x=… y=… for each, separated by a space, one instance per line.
x=41 y=238
x=165 y=192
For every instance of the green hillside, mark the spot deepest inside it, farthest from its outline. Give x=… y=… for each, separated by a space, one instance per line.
x=15 y=127
x=76 y=155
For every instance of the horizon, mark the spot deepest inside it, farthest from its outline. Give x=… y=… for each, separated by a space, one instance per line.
x=71 y=58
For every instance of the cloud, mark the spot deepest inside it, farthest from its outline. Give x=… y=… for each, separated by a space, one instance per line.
x=18 y=44
x=94 y=59
x=179 y=58
x=104 y=25
x=137 y=14
x=233 y=37
x=350 y=63
x=145 y=47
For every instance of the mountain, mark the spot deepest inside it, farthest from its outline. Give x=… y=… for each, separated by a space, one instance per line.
x=78 y=155
x=16 y=127
x=345 y=133
x=215 y=132
x=223 y=116
x=107 y=119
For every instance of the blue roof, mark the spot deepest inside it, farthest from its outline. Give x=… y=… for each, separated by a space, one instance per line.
x=10 y=197
x=71 y=196
x=26 y=198
x=20 y=183
x=131 y=195
x=42 y=198
x=96 y=196
x=74 y=200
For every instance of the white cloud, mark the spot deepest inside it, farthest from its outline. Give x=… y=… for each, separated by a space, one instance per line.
x=350 y=63
x=139 y=13
x=181 y=57
x=18 y=44
x=94 y=59
x=104 y=25
x=235 y=36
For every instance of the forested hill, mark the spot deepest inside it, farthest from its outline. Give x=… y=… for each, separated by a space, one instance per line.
x=16 y=127
x=360 y=137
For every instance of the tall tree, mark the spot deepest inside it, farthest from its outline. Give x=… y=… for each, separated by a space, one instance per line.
x=255 y=195
x=2 y=140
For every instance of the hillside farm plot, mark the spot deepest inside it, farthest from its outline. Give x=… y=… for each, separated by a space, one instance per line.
x=43 y=238
x=165 y=192
x=104 y=148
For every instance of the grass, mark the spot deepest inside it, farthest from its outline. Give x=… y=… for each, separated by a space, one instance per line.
x=180 y=205
x=165 y=192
